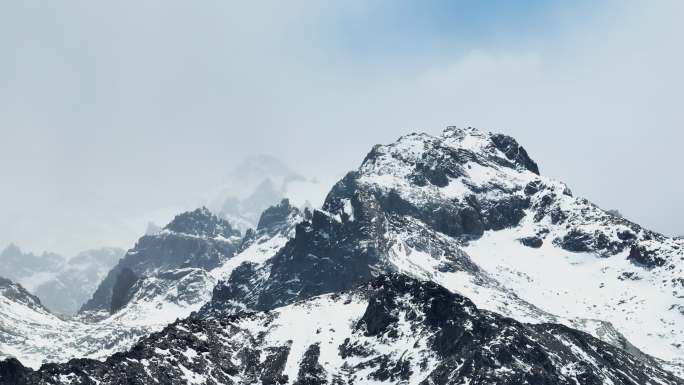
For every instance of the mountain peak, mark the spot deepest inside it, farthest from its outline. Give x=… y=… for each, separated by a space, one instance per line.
x=11 y=250
x=201 y=222
x=277 y=214
x=450 y=131
x=474 y=139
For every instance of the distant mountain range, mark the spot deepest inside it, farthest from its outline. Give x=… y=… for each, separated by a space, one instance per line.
x=441 y=260
x=63 y=285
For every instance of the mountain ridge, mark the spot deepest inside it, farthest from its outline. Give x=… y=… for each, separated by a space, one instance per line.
x=450 y=341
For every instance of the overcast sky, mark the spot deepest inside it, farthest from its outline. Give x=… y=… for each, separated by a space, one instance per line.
x=116 y=113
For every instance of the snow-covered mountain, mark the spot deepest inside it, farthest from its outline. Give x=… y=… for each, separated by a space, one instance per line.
x=77 y=280
x=166 y=276
x=63 y=285
x=466 y=211
x=195 y=241
x=259 y=182
x=393 y=330
x=29 y=269
x=469 y=210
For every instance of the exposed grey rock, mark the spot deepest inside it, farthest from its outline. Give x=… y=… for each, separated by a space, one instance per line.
x=534 y=242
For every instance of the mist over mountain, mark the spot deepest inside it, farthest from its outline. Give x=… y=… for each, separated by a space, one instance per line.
x=259 y=182
x=62 y=285
x=28 y=268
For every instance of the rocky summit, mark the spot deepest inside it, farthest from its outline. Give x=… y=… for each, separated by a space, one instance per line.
x=469 y=210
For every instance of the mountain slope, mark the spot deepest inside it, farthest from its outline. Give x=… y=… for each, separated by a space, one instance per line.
x=391 y=330
x=23 y=319
x=469 y=210
x=167 y=276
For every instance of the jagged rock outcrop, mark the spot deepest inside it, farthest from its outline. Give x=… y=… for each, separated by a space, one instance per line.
x=277 y=225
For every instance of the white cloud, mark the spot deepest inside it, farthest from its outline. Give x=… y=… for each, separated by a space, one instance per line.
x=114 y=112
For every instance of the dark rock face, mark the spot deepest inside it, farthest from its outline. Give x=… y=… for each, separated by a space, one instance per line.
x=534 y=242
x=196 y=239
x=121 y=290
x=626 y=235
x=310 y=370
x=241 y=285
x=437 y=166
x=533 y=187
x=453 y=342
x=323 y=257
x=13 y=372
x=515 y=152
x=645 y=257
x=577 y=241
